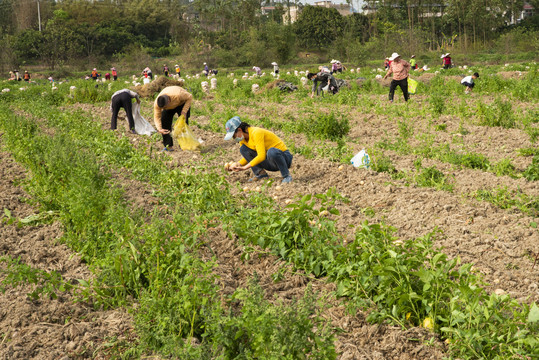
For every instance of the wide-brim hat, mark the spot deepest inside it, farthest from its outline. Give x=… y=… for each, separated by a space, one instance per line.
x=441 y=57
x=177 y=65
x=94 y=69
x=394 y=56
x=413 y=56
x=333 y=61
x=231 y=126
x=274 y=63
x=113 y=69
x=204 y=63
x=447 y=54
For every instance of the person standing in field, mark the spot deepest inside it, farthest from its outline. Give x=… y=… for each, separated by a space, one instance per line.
x=446 y=61
x=177 y=68
x=165 y=70
x=206 y=70
x=468 y=81
x=261 y=150
x=94 y=74
x=26 y=76
x=413 y=63
x=114 y=73
x=400 y=70
x=171 y=100
x=123 y=99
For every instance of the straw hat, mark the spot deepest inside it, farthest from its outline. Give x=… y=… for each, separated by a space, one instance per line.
x=394 y=56
x=333 y=61
x=94 y=69
x=413 y=56
x=274 y=63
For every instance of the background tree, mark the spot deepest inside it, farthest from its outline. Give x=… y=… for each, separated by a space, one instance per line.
x=318 y=27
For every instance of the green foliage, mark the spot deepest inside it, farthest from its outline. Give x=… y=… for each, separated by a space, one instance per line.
x=437 y=104
x=432 y=177
x=500 y=114
x=45 y=284
x=507 y=199
x=311 y=34
x=326 y=126
x=256 y=329
x=532 y=172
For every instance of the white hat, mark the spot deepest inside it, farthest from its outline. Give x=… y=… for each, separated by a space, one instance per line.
x=333 y=61
x=204 y=63
x=443 y=55
x=394 y=56
x=447 y=54
x=94 y=69
x=177 y=65
x=274 y=63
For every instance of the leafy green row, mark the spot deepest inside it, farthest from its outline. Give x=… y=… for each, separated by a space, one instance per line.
x=156 y=262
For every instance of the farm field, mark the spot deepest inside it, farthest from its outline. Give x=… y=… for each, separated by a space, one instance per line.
x=113 y=249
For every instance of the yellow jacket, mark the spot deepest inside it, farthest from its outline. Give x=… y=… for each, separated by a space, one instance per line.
x=261 y=140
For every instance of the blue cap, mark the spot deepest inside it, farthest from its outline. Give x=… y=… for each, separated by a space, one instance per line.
x=231 y=127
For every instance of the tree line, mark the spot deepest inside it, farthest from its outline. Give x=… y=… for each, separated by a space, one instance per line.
x=239 y=32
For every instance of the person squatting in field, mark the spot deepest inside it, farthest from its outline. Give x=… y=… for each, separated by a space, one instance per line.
x=261 y=150
x=171 y=100
x=400 y=70
x=468 y=81
x=123 y=99
x=114 y=73
x=320 y=81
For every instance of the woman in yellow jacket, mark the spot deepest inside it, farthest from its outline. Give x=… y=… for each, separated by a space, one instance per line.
x=261 y=150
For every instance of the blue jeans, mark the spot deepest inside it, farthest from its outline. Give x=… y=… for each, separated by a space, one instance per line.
x=276 y=160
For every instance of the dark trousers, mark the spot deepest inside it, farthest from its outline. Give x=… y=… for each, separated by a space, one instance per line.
x=166 y=122
x=276 y=160
x=122 y=100
x=403 y=85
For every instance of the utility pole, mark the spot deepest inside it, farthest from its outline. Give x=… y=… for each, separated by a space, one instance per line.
x=39 y=15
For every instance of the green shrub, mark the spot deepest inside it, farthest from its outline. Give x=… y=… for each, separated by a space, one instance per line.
x=532 y=172
x=326 y=126
x=437 y=104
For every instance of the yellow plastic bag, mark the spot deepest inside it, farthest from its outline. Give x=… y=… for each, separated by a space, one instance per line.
x=184 y=136
x=412 y=86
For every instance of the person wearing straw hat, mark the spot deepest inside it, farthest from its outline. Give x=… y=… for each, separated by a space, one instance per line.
x=446 y=60
x=114 y=73
x=257 y=70
x=275 y=68
x=177 y=69
x=261 y=150
x=400 y=70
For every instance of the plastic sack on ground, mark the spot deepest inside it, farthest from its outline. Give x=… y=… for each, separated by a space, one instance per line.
x=142 y=126
x=412 y=86
x=184 y=136
x=361 y=159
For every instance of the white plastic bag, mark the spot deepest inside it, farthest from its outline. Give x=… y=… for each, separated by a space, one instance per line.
x=142 y=126
x=361 y=159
